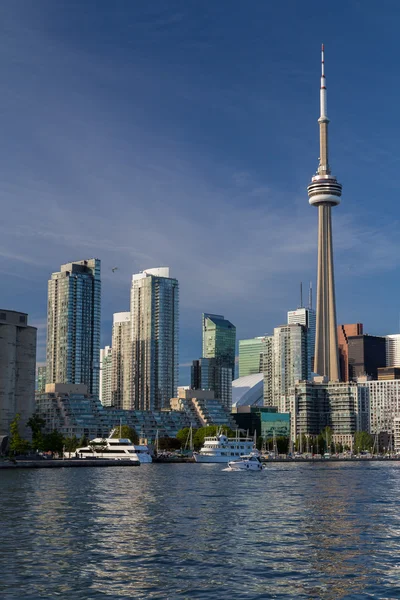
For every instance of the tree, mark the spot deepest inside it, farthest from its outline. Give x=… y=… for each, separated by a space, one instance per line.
x=83 y=442
x=363 y=441
x=183 y=435
x=71 y=444
x=127 y=432
x=209 y=431
x=17 y=444
x=167 y=443
x=36 y=424
x=53 y=442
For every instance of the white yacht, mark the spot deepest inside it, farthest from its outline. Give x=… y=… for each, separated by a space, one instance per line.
x=221 y=449
x=250 y=462
x=110 y=448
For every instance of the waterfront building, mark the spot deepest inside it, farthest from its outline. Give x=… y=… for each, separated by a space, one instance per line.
x=384 y=404
x=121 y=386
x=396 y=434
x=106 y=365
x=155 y=338
x=17 y=369
x=73 y=325
x=289 y=363
x=202 y=408
x=209 y=374
x=264 y=421
x=248 y=390
x=393 y=350
x=324 y=192
x=366 y=353
x=250 y=356
x=219 y=340
x=343 y=333
x=305 y=316
x=318 y=404
x=73 y=411
x=41 y=379
x=388 y=373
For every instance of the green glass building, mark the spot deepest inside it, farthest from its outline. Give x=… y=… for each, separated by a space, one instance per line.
x=250 y=354
x=219 y=340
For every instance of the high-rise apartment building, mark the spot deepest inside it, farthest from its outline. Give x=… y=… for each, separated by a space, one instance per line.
x=305 y=316
x=393 y=350
x=267 y=369
x=73 y=325
x=289 y=363
x=324 y=192
x=122 y=361
x=208 y=374
x=384 y=404
x=17 y=369
x=41 y=380
x=250 y=356
x=343 y=334
x=219 y=340
x=155 y=338
x=105 y=390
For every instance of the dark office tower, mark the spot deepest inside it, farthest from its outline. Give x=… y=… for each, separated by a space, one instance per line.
x=207 y=374
x=219 y=340
x=366 y=354
x=73 y=325
x=344 y=332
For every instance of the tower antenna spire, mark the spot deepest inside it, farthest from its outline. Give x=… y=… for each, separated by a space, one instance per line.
x=324 y=192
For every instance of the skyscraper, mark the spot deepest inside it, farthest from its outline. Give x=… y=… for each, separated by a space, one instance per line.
x=289 y=362
x=324 y=191
x=17 y=369
x=219 y=340
x=250 y=356
x=106 y=364
x=155 y=338
x=41 y=380
x=306 y=317
x=344 y=332
x=393 y=350
x=73 y=324
x=122 y=361
x=207 y=374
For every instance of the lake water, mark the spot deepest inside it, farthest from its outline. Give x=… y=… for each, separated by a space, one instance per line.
x=194 y=531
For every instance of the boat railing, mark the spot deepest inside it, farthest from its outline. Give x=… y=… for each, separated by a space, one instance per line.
x=231 y=439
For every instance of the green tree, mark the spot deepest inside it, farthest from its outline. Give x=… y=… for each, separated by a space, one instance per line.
x=363 y=441
x=71 y=444
x=83 y=442
x=127 y=432
x=209 y=431
x=183 y=435
x=167 y=443
x=17 y=444
x=36 y=424
x=53 y=442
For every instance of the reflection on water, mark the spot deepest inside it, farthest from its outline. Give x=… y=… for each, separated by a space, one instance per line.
x=193 y=531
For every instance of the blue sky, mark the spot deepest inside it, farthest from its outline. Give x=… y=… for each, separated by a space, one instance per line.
x=184 y=133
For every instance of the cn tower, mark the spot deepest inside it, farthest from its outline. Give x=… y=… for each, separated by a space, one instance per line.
x=324 y=191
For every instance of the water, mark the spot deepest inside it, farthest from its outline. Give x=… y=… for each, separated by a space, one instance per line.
x=327 y=531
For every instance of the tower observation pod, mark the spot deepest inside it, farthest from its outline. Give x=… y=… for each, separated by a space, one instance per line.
x=325 y=191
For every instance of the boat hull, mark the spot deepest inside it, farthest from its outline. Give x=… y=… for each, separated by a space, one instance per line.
x=244 y=466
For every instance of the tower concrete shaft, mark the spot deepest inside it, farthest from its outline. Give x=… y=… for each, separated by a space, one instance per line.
x=324 y=192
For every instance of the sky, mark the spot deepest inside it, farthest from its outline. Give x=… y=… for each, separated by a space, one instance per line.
x=184 y=133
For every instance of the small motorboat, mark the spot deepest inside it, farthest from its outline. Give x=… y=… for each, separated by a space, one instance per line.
x=249 y=462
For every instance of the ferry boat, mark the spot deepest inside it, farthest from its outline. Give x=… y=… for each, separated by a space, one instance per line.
x=221 y=449
x=111 y=448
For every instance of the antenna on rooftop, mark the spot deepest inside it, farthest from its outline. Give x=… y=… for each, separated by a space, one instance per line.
x=310 y=296
x=301 y=294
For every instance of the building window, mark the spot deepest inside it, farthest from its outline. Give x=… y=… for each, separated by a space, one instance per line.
x=3 y=316
x=22 y=319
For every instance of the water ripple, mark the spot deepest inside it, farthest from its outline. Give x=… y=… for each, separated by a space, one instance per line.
x=194 y=532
